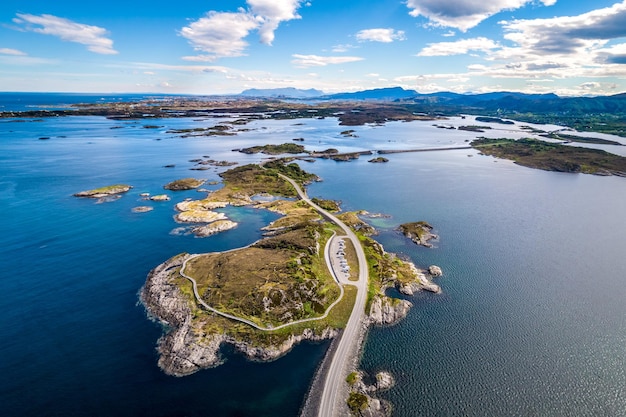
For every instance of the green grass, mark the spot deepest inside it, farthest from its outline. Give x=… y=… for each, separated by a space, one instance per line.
x=328 y=205
x=352 y=378
x=549 y=156
x=357 y=402
x=291 y=148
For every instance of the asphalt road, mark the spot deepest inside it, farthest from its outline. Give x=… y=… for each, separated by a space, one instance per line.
x=331 y=402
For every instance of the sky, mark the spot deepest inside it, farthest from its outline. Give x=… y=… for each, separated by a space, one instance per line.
x=567 y=47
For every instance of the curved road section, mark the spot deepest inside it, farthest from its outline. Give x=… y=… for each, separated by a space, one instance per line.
x=250 y=323
x=331 y=401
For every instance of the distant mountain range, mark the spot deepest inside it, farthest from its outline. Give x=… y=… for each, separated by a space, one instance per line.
x=502 y=100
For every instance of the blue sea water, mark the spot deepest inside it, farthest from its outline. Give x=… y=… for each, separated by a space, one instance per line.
x=531 y=321
x=17 y=101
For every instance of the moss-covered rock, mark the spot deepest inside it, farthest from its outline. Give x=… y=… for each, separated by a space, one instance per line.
x=104 y=191
x=184 y=184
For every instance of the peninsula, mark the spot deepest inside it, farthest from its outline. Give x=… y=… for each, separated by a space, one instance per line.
x=550 y=156
x=312 y=277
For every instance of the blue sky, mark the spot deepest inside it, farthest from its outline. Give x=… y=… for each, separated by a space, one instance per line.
x=569 y=47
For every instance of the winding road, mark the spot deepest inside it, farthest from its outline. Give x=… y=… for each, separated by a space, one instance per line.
x=251 y=323
x=331 y=400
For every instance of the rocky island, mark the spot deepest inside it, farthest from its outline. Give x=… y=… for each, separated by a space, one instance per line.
x=550 y=156
x=184 y=184
x=104 y=191
x=419 y=232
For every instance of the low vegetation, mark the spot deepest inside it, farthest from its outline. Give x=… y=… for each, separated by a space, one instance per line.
x=357 y=402
x=328 y=205
x=385 y=269
x=581 y=139
x=290 y=148
x=291 y=170
x=487 y=119
x=419 y=232
x=474 y=128
x=548 y=156
x=184 y=184
x=104 y=191
x=217 y=130
x=278 y=280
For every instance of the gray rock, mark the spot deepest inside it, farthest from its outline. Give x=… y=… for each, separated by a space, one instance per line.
x=435 y=271
x=386 y=311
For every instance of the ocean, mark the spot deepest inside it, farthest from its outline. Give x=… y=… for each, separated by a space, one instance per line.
x=531 y=321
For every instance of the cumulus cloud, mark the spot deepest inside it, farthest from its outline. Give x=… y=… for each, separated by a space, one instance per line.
x=13 y=52
x=305 y=61
x=386 y=35
x=590 y=45
x=222 y=34
x=219 y=35
x=94 y=37
x=463 y=14
x=459 y=47
x=567 y=35
x=271 y=13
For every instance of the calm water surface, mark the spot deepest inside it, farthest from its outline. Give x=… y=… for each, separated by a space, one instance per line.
x=531 y=321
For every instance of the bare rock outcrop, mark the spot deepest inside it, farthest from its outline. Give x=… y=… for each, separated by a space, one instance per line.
x=362 y=400
x=386 y=311
x=199 y=216
x=377 y=408
x=184 y=350
x=421 y=282
x=213 y=228
x=419 y=232
x=435 y=271
x=270 y=353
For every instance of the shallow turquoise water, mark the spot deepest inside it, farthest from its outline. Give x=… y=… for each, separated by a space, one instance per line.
x=531 y=321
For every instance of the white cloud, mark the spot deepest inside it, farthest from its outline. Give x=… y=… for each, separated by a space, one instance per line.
x=93 y=37
x=305 y=61
x=272 y=13
x=219 y=35
x=150 y=67
x=463 y=14
x=588 y=47
x=567 y=36
x=20 y=60
x=385 y=35
x=13 y=52
x=222 y=34
x=459 y=47
x=342 y=48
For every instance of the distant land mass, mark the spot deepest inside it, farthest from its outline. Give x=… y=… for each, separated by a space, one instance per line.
x=288 y=92
x=392 y=93
x=507 y=103
x=601 y=114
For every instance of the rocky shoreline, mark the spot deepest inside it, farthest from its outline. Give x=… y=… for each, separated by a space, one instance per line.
x=419 y=232
x=384 y=311
x=186 y=347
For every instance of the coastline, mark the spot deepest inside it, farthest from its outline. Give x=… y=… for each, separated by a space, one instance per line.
x=186 y=348
x=198 y=330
